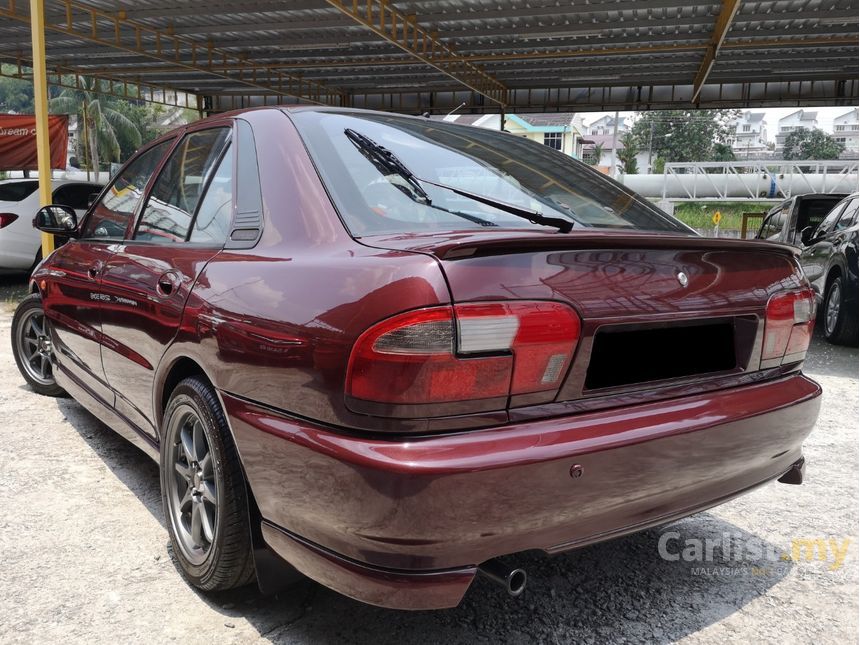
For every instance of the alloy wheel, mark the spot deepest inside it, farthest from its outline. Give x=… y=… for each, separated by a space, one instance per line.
x=831 y=313
x=192 y=487
x=34 y=347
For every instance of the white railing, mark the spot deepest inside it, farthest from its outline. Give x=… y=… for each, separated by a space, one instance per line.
x=761 y=179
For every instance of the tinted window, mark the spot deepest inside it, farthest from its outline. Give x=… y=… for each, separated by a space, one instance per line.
x=15 y=191
x=772 y=227
x=832 y=217
x=111 y=215
x=372 y=199
x=216 y=209
x=812 y=212
x=173 y=200
x=848 y=216
x=76 y=196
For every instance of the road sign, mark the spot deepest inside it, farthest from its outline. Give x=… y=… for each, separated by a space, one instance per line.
x=716 y=218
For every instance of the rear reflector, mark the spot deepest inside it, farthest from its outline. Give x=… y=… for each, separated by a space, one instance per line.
x=788 y=326
x=6 y=219
x=467 y=352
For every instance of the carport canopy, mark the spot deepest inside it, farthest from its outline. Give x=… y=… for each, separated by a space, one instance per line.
x=434 y=55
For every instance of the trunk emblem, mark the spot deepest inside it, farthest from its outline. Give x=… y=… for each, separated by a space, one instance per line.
x=682 y=278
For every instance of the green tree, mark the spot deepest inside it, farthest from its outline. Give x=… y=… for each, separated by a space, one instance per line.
x=684 y=135
x=592 y=155
x=145 y=117
x=16 y=95
x=723 y=152
x=627 y=154
x=103 y=125
x=811 y=144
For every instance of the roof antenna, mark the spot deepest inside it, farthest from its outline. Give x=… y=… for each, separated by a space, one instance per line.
x=462 y=105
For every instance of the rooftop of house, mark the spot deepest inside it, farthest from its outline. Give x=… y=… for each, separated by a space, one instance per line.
x=555 y=119
x=848 y=116
x=801 y=115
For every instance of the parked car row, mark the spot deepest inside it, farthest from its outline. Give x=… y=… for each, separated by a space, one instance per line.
x=20 y=243
x=826 y=229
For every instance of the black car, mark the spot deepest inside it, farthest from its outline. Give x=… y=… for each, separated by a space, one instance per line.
x=829 y=260
x=785 y=221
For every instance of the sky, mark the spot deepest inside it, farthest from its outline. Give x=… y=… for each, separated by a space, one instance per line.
x=772 y=116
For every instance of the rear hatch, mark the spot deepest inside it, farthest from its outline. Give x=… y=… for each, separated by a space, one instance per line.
x=661 y=314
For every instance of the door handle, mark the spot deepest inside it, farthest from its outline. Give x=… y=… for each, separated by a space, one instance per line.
x=95 y=269
x=167 y=284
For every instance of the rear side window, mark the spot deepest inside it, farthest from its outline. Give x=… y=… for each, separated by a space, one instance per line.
x=832 y=217
x=173 y=201
x=216 y=209
x=17 y=190
x=848 y=217
x=111 y=216
x=812 y=212
x=76 y=196
x=772 y=227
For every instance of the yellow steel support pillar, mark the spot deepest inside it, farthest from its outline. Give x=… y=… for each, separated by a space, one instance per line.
x=40 y=99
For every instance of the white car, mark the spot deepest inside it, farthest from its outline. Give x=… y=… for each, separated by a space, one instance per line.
x=20 y=243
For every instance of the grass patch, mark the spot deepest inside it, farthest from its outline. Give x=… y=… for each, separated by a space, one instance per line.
x=699 y=214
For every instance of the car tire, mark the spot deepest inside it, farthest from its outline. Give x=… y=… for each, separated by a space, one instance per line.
x=31 y=347
x=203 y=490
x=839 y=320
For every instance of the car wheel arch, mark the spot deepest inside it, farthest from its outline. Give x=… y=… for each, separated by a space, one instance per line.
x=180 y=368
x=833 y=272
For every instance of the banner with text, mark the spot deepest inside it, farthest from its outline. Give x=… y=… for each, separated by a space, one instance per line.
x=18 y=141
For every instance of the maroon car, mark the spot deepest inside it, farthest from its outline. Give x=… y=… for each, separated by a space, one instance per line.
x=390 y=350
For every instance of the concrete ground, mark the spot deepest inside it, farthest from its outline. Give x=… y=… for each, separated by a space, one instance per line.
x=84 y=554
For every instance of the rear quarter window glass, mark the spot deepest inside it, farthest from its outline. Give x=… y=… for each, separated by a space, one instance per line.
x=76 y=196
x=17 y=190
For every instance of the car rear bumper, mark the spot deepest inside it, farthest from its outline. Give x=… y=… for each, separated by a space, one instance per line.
x=403 y=523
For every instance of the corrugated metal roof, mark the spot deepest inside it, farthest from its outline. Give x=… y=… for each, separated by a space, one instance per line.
x=545 y=56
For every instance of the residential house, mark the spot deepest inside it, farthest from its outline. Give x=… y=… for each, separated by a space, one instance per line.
x=845 y=131
x=604 y=164
x=556 y=130
x=606 y=126
x=750 y=136
x=799 y=120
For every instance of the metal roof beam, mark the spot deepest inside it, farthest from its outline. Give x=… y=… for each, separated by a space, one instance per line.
x=403 y=31
x=116 y=32
x=780 y=48
x=724 y=23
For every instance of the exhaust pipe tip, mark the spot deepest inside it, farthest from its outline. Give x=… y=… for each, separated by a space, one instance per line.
x=513 y=580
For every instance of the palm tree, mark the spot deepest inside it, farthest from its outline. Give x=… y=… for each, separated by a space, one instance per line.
x=103 y=126
x=595 y=154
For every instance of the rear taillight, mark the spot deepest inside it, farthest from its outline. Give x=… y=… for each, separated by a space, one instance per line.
x=788 y=326
x=6 y=219
x=468 y=352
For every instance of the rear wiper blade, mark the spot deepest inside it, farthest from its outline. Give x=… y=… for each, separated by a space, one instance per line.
x=387 y=162
x=563 y=225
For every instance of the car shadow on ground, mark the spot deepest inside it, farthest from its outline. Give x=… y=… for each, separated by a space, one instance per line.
x=830 y=360
x=617 y=590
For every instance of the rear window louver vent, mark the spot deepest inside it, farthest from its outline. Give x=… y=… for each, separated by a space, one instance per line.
x=248 y=222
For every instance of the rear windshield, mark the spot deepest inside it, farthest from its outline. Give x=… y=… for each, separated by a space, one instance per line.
x=373 y=199
x=17 y=190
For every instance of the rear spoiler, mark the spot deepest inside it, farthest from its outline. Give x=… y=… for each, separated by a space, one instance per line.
x=454 y=245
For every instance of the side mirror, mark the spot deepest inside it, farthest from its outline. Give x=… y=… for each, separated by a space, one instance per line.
x=92 y=199
x=806 y=235
x=57 y=219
